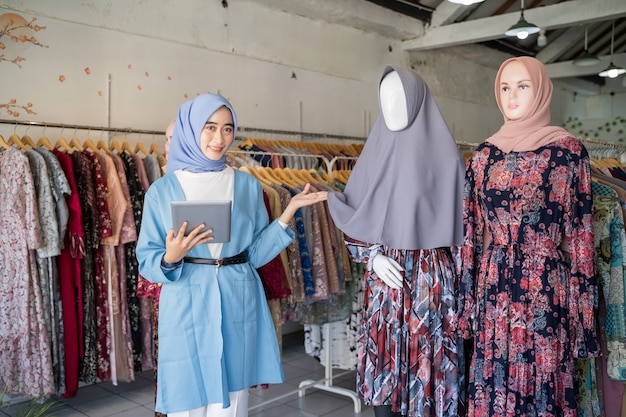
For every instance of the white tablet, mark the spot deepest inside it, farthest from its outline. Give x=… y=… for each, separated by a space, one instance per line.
x=214 y=214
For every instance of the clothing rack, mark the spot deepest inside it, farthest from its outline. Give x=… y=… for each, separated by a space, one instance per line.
x=601 y=149
x=81 y=127
x=329 y=163
x=460 y=143
x=162 y=132
x=326 y=383
x=606 y=143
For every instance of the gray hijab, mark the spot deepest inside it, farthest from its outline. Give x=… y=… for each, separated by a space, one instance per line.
x=406 y=190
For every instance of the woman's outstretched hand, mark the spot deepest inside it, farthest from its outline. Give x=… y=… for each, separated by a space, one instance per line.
x=303 y=199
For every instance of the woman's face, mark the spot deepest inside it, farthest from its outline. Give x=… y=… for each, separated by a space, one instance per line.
x=516 y=91
x=218 y=134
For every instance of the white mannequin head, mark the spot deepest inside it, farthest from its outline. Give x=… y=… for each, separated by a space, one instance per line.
x=393 y=102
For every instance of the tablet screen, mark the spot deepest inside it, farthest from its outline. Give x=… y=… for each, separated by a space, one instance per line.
x=214 y=214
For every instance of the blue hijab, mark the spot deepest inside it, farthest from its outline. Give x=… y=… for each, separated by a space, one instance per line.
x=185 y=152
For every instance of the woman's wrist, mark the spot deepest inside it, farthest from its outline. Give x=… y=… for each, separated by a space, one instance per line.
x=166 y=266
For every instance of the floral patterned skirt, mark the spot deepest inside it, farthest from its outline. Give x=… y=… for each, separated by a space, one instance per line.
x=408 y=353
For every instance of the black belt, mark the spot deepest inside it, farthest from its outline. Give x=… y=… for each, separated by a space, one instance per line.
x=237 y=259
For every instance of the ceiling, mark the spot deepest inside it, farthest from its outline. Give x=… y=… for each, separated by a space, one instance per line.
x=435 y=24
x=562 y=21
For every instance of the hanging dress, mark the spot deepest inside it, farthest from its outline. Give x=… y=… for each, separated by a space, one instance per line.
x=25 y=355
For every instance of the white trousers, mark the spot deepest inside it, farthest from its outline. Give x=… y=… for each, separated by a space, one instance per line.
x=238 y=408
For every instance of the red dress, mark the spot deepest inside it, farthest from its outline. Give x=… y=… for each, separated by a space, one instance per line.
x=70 y=281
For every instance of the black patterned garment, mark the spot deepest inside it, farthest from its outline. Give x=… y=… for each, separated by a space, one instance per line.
x=529 y=303
x=132 y=267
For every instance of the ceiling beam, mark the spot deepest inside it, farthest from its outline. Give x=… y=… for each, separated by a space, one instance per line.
x=554 y=16
x=566 y=69
x=446 y=13
x=565 y=41
x=358 y=14
x=406 y=9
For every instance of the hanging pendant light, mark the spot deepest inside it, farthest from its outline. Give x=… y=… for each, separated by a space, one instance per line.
x=466 y=2
x=612 y=71
x=522 y=28
x=586 y=59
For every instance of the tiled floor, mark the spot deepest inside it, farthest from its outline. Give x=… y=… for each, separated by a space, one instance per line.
x=136 y=399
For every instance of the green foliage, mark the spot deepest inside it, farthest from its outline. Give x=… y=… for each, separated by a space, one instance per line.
x=32 y=408
x=574 y=125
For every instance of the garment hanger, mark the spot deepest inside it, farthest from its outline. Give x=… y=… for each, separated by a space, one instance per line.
x=275 y=177
x=75 y=143
x=102 y=145
x=268 y=175
x=312 y=175
x=324 y=176
x=155 y=149
x=290 y=174
x=160 y=157
x=115 y=146
x=15 y=140
x=341 y=175
x=126 y=146
x=88 y=144
x=285 y=177
x=258 y=175
x=28 y=141
x=246 y=142
x=45 y=142
x=62 y=144
x=302 y=175
x=140 y=148
x=3 y=143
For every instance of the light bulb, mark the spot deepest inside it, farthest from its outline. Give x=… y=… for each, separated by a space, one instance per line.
x=522 y=34
x=613 y=73
x=542 y=40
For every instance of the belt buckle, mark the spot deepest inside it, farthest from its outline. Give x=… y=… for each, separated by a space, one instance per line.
x=219 y=263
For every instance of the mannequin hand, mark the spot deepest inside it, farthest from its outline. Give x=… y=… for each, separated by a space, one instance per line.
x=388 y=270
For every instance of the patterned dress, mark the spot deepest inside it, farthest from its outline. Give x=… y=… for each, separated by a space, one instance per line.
x=25 y=356
x=529 y=307
x=408 y=355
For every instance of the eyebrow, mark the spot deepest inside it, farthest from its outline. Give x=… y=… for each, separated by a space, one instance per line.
x=225 y=124
x=520 y=81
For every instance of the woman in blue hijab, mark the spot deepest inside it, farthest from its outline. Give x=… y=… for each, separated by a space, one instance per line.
x=216 y=335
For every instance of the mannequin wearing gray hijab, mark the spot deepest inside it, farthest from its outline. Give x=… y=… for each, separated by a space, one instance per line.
x=402 y=209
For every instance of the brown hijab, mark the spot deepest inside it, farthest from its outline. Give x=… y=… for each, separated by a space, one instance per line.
x=533 y=130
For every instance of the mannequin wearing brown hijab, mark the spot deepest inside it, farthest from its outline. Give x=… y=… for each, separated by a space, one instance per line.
x=403 y=204
x=527 y=305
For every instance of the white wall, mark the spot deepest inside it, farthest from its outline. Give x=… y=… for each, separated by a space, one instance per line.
x=600 y=117
x=131 y=64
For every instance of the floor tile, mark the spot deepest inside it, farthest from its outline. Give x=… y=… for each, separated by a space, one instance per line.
x=136 y=398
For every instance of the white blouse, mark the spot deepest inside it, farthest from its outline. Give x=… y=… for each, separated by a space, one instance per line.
x=208 y=186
